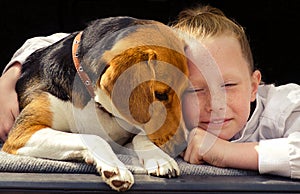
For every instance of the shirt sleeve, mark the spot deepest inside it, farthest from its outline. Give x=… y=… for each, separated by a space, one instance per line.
x=274 y=157
x=281 y=156
x=32 y=45
x=294 y=154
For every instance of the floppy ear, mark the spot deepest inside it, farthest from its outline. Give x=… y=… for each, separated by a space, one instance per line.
x=143 y=94
x=128 y=80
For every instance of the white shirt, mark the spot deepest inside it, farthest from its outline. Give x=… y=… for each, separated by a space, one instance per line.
x=275 y=124
x=32 y=45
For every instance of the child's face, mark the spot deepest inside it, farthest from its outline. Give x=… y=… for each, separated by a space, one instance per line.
x=220 y=103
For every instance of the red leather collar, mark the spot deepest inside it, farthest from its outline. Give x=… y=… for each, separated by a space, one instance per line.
x=83 y=76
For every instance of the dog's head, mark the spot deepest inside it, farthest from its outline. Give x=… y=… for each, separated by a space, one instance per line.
x=144 y=77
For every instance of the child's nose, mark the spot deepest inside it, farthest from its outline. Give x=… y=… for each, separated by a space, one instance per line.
x=216 y=101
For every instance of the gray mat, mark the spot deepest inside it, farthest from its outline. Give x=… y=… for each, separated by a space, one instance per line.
x=25 y=164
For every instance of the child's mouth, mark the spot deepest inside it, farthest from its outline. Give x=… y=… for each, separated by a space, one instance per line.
x=215 y=124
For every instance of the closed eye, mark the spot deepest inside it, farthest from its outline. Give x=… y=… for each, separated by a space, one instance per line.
x=227 y=85
x=194 y=90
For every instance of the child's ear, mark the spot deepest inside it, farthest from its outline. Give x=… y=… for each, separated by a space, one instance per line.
x=255 y=81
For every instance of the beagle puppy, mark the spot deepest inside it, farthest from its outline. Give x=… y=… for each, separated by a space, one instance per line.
x=83 y=98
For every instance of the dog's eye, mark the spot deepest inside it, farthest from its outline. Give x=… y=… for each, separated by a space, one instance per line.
x=161 y=96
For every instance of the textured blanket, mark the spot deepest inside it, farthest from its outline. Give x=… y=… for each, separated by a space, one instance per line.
x=25 y=164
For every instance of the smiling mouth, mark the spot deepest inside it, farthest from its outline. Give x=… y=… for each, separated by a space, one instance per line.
x=214 y=124
x=217 y=122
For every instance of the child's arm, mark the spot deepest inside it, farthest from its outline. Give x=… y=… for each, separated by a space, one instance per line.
x=9 y=108
x=9 y=101
x=205 y=147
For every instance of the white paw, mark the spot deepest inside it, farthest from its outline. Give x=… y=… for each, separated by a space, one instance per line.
x=115 y=174
x=160 y=164
x=111 y=169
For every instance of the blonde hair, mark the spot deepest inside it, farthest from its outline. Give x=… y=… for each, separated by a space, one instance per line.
x=206 y=21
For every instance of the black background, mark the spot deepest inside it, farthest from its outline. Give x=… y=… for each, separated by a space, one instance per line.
x=272 y=26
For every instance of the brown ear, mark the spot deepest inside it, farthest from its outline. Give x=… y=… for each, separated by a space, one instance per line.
x=139 y=102
x=143 y=95
x=128 y=80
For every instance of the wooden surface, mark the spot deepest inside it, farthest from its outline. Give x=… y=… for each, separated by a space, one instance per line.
x=90 y=183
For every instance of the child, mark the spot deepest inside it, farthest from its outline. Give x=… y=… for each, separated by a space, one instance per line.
x=229 y=134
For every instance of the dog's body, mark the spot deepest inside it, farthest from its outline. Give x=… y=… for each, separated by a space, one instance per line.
x=126 y=69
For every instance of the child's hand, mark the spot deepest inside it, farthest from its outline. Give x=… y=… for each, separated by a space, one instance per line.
x=205 y=147
x=9 y=108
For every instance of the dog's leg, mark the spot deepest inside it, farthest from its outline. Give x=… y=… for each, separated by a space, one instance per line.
x=53 y=144
x=32 y=136
x=155 y=161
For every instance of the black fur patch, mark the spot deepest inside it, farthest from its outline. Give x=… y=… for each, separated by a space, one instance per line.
x=52 y=70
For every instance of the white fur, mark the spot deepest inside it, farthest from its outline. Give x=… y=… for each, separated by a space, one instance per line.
x=90 y=148
x=155 y=161
x=93 y=135
x=88 y=120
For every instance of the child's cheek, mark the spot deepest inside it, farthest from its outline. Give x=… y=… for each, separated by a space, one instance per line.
x=190 y=110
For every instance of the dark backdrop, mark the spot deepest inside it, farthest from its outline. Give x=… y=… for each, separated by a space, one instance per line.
x=271 y=25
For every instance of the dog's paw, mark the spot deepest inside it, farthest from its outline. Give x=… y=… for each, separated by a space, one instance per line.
x=118 y=179
x=160 y=164
x=117 y=176
x=112 y=171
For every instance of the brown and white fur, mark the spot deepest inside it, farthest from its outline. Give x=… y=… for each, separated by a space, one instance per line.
x=137 y=73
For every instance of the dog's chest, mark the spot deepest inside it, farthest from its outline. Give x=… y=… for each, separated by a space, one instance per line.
x=89 y=120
